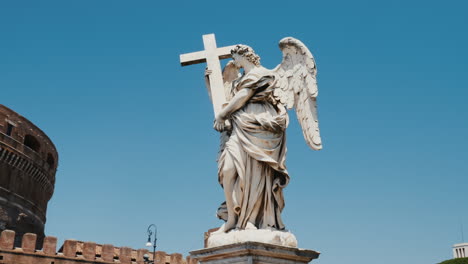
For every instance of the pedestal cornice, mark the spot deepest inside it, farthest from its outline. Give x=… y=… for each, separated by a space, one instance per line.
x=253 y=253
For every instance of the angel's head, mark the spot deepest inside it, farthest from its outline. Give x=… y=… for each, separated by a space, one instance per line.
x=244 y=52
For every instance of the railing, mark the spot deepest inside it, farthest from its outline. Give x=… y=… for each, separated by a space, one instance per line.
x=23 y=163
x=25 y=150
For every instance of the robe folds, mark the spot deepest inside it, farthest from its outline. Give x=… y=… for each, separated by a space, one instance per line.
x=257 y=145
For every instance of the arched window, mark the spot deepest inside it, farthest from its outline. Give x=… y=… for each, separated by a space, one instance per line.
x=32 y=143
x=50 y=160
x=9 y=129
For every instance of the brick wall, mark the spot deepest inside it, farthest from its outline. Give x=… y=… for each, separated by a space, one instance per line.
x=28 y=163
x=74 y=252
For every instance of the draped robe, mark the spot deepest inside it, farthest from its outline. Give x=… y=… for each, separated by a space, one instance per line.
x=257 y=145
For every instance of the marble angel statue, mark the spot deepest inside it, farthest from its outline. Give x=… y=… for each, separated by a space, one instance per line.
x=251 y=164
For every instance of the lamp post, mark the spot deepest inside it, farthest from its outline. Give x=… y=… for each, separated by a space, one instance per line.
x=151 y=244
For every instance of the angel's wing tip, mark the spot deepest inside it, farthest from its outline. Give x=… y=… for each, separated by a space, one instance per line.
x=286 y=38
x=316 y=147
x=287 y=41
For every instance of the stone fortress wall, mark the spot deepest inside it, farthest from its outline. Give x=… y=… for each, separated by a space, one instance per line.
x=28 y=163
x=73 y=251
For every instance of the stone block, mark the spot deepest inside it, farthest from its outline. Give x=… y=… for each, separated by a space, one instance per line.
x=140 y=254
x=190 y=260
x=207 y=235
x=28 y=244
x=254 y=253
x=50 y=245
x=266 y=236
x=160 y=257
x=89 y=250
x=176 y=258
x=7 y=239
x=69 y=248
x=107 y=253
x=125 y=255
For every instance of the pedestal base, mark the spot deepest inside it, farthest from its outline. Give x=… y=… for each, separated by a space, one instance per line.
x=253 y=253
x=267 y=236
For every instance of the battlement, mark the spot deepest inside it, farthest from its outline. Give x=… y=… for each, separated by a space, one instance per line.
x=73 y=251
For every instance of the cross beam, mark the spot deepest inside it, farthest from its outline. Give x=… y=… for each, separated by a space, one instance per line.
x=212 y=56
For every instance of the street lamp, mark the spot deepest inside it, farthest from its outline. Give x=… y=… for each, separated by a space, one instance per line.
x=151 y=244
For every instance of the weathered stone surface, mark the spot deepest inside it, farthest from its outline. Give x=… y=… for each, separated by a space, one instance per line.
x=190 y=260
x=107 y=252
x=7 y=238
x=254 y=253
x=269 y=236
x=50 y=245
x=160 y=257
x=28 y=161
x=69 y=248
x=125 y=255
x=176 y=258
x=29 y=242
x=140 y=254
x=74 y=251
x=89 y=250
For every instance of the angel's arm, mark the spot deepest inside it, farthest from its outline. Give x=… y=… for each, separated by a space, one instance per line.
x=237 y=102
x=250 y=85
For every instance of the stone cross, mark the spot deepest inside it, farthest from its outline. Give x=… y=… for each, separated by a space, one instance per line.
x=211 y=55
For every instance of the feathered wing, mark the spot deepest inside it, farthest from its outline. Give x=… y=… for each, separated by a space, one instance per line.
x=297 y=87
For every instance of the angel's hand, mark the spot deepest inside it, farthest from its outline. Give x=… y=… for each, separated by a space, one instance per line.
x=218 y=125
x=221 y=124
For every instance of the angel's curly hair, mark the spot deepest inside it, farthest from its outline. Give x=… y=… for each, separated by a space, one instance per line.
x=246 y=52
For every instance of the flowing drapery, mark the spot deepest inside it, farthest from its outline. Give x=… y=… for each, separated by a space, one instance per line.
x=257 y=146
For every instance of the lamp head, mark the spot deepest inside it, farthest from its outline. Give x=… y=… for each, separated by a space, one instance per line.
x=149 y=244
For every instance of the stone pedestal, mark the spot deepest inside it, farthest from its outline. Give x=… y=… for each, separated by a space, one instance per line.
x=253 y=253
x=267 y=236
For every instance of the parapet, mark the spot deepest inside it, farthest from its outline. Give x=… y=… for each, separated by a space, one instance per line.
x=73 y=251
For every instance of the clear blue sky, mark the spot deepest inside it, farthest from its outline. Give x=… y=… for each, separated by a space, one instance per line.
x=134 y=129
